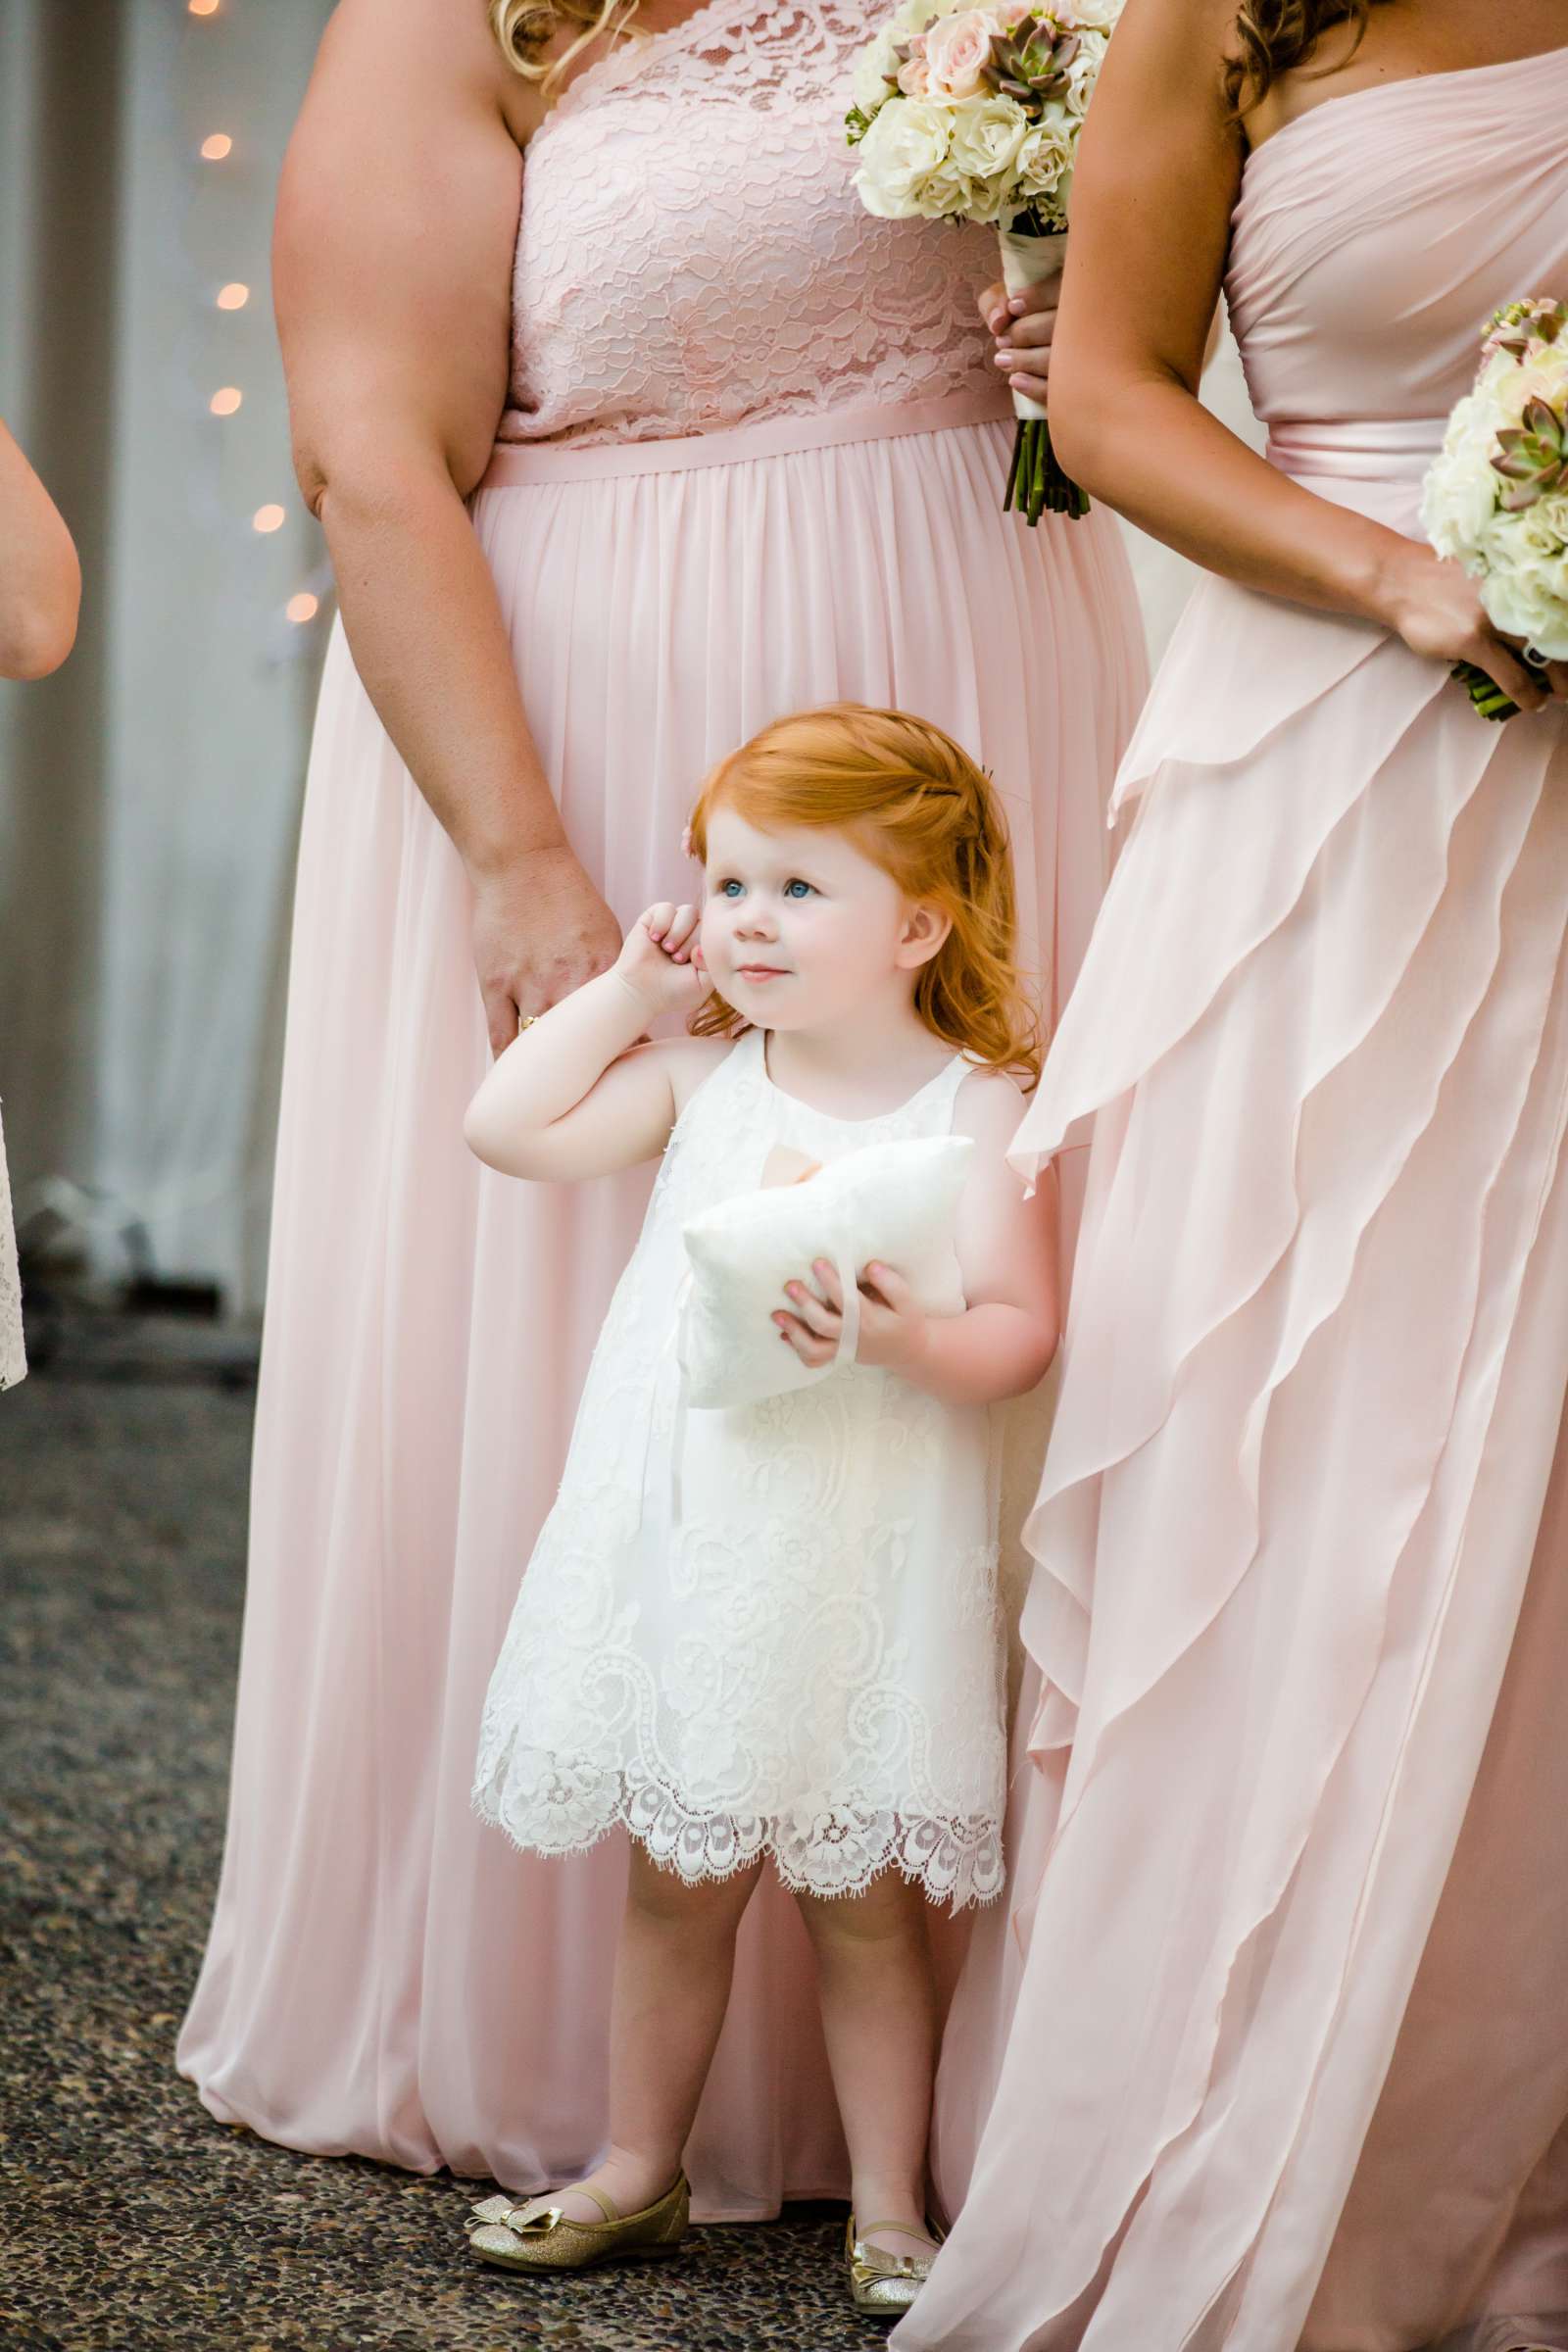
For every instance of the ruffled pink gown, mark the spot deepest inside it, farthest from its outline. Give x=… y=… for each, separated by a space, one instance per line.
x=753 y=460
x=1289 y=2059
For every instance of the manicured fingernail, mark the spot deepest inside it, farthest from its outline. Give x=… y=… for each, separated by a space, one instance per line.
x=1015 y=306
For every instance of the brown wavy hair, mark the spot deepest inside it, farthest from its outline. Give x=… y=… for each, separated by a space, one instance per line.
x=912 y=801
x=526 y=29
x=1273 y=36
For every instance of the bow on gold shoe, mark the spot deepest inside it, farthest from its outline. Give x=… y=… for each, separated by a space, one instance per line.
x=539 y=2237
x=881 y=2283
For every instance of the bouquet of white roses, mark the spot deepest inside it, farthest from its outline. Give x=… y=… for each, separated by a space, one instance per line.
x=972 y=113
x=1496 y=497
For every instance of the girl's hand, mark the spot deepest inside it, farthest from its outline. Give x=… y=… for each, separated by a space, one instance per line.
x=1436 y=607
x=540 y=929
x=892 y=1329
x=661 y=962
x=1024 y=325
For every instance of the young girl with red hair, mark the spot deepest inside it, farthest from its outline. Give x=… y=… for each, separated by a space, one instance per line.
x=775 y=1637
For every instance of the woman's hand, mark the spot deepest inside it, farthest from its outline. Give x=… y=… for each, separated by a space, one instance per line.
x=1436 y=607
x=540 y=929
x=1024 y=325
x=892 y=1329
x=661 y=962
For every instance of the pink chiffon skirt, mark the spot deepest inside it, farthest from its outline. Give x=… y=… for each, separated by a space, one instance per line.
x=1289 y=2058
x=384 y=1975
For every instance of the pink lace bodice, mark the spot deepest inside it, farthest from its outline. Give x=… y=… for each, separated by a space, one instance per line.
x=692 y=256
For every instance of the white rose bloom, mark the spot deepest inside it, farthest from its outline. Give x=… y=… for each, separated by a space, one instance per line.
x=915 y=15
x=1083 y=74
x=1549 y=519
x=987 y=137
x=951 y=196
x=873 y=66
x=901 y=155
x=1044 y=160
x=1092 y=16
x=1528 y=599
x=1460 y=493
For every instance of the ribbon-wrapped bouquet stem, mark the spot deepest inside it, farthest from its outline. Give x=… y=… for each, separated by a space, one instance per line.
x=1496 y=497
x=965 y=113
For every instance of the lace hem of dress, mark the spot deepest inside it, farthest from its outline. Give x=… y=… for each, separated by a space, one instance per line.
x=837 y=1850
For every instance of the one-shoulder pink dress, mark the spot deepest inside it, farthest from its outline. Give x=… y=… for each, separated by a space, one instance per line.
x=753 y=460
x=1290 y=2057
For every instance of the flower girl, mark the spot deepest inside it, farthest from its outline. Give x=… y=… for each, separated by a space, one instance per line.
x=768 y=1631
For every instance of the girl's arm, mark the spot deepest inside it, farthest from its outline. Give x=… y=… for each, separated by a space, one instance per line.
x=396 y=221
x=1004 y=1343
x=1159 y=171
x=40 y=579
x=576 y=1094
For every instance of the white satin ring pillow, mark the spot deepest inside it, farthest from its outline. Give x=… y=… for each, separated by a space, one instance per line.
x=896 y=1202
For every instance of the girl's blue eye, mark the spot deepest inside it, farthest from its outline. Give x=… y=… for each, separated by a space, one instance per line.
x=728 y=889
x=798 y=884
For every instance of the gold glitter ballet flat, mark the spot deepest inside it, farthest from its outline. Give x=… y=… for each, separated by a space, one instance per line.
x=882 y=2284
x=536 y=2237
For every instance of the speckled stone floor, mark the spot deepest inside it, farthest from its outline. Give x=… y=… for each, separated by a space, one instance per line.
x=128 y=2217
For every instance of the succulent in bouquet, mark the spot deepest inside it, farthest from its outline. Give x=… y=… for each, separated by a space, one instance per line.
x=972 y=113
x=1496 y=496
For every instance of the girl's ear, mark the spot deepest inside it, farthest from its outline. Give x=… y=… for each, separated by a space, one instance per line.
x=926 y=928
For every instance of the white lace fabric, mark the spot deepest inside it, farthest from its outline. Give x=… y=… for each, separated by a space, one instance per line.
x=13 y=1361
x=806 y=1658
x=690 y=253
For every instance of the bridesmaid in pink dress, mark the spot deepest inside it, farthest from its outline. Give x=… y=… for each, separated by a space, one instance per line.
x=741 y=451
x=1289 y=2058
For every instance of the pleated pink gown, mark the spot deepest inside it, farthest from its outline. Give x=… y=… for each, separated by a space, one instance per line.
x=1289 y=2058
x=754 y=460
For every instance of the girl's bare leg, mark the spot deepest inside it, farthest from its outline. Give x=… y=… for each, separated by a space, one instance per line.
x=673 y=1977
x=879 y=2014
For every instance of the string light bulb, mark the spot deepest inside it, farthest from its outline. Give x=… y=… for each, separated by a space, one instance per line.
x=268 y=519
x=234 y=297
x=303 y=608
x=226 y=400
x=202 y=8
x=217 y=146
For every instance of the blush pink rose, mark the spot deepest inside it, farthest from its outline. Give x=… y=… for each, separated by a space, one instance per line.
x=955 y=49
x=914 y=79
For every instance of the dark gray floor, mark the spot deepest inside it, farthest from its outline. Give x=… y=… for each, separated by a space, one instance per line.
x=128 y=2218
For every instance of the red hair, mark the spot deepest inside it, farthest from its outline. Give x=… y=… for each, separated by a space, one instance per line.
x=915 y=803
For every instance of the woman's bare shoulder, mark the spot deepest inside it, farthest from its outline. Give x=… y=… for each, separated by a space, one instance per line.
x=445 y=48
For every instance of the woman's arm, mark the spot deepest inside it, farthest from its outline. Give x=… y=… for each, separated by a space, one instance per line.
x=1158 y=171
x=397 y=215
x=40 y=579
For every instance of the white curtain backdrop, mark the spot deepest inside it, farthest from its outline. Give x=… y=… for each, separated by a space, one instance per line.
x=149 y=793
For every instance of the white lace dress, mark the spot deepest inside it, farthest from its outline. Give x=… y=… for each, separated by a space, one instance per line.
x=795 y=1647
x=13 y=1362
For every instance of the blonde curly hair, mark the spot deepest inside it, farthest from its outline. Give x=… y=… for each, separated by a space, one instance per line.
x=526 y=28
